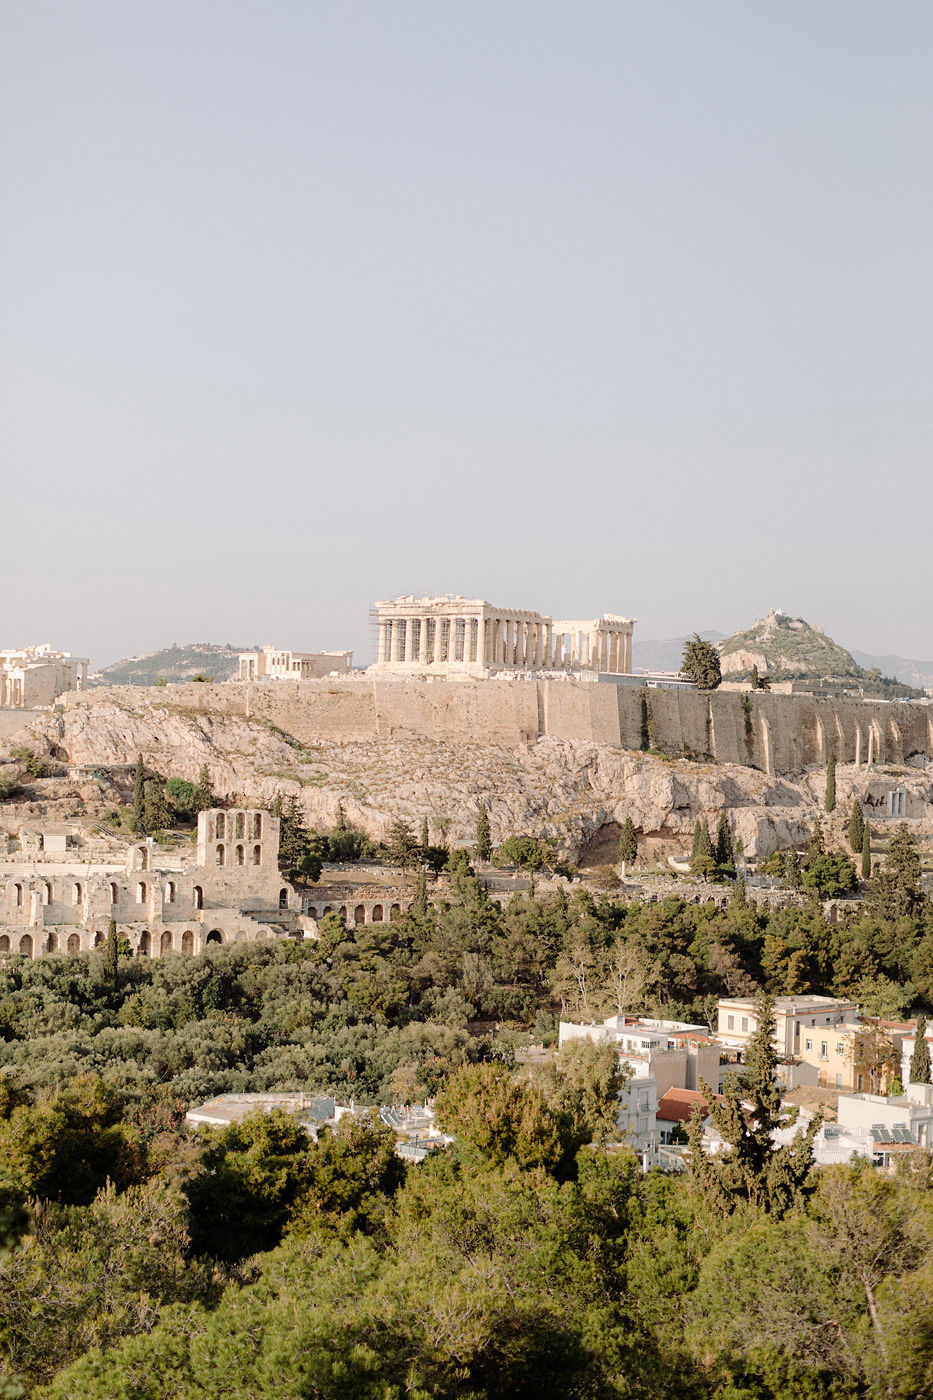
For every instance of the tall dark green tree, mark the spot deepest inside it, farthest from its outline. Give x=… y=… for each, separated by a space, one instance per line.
x=420 y=905
x=866 y=851
x=701 y=663
x=203 y=793
x=425 y=841
x=815 y=845
x=792 y=870
x=830 y=802
x=401 y=846
x=628 y=842
x=722 y=849
x=293 y=835
x=897 y=891
x=157 y=814
x=483 y=844
x=856 y=827
x=139 y=790
x=702 y=861
x=920 y=1059
x=112 y=955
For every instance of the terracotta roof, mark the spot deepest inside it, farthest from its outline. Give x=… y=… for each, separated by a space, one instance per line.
x=676 y=1105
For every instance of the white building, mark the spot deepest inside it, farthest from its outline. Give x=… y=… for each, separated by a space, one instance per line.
x=274 y=664
x=34 y=677
x=793 y=1016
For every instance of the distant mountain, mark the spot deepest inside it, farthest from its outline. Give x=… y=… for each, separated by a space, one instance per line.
x=173 y=663
x=917 y=673
x=785 y=646
x=665 y=655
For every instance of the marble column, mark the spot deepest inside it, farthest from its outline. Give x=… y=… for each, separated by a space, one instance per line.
x=438 y=637
x=395 y=640
x=423 y=643
x=383 y=640
x=481 y=642
x=409 y=640
x=627 y=654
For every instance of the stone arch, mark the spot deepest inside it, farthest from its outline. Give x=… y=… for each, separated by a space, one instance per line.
x=170 y=891
x=283 y=899
x=328 y=909
x=187 y=943
x=342 y=911
x=220 y=828
x=141 y=892
x=395 y=911
x=359 y=914
x=142 y=857
x=18 y=896
x=4 y=942
x=220 y=855
x=240 y=823
x=74 y=944
x=113 y=892
x=198 y=897
x=46 y=890
x=257 y=855
x=165 y=943
x=215 y=936
x=25 y=945
x=312 y=910
x=240 y=856
x=257 y=826
x=377 y=914
x=142 y=949
x=98 y=939
x=76 y=892
x=51 y=943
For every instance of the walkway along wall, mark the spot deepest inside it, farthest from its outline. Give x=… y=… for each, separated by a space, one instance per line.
x=774 y=733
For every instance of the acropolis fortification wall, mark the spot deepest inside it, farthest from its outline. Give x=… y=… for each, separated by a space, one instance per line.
x=775 y=733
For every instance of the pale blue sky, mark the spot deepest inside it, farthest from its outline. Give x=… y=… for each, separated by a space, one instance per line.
x=583 y=307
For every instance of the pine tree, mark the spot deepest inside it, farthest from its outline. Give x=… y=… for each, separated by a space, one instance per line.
x=483 y=844
x=628 y=843
x=703 y=862
x=792 y=870
x=139 y=790
x=723 y=846
x=920 y=1059
x=401 y=846
x=157 y=814
x=831 y=781
x=203 y=794
x=293 y=835
x=701 y=663
x=866 y=852
x=112 y=954
x=856 y=826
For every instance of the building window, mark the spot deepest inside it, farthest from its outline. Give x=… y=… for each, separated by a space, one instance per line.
x=838 y=1081
x=113 y=893
x=809 y=1044
x=730 y=1023
x=220 y=827
x=824 y=1050
x=170 y=892
x=76 y=894
x=220 y=856
x=19 y=896
x=140 y=893
x=257 y=855
x=858 y=1084
x=839 y=1047
x=745 y=1023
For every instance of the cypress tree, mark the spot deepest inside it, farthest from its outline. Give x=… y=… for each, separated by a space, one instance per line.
x=694 y=849
x=156 y=811
x=139 y=790
x=831 y=781
x=420 y=905
x=866 y=852
x=628 y=843
x=792 y=870
x=703 y=862
x=920 y=1059
x=815 y=843
x=723 y=847
x=203 y=794
x=483 y=845
x=425 y=836
x=856 y=826
x=112 y=954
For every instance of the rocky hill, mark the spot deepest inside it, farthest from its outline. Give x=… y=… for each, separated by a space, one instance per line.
x=575 y=793
x=174 y=663
x=783 y=647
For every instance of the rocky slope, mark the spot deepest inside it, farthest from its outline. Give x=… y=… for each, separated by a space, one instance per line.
x=568 y=792
x=173 y=663
x=781 y=646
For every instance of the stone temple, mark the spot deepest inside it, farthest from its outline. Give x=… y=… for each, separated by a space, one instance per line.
x=449 y=636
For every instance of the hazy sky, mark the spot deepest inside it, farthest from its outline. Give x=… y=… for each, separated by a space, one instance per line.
x=578 y=307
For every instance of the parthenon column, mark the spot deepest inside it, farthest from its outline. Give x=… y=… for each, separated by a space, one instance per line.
x=395 y=639
x=383 y=640
x=436 y=651
x=627 y=654
x=481 y=641
x=409 y=640
x=423 y=642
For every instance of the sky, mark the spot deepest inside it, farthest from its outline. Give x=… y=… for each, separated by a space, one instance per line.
x=614 y=307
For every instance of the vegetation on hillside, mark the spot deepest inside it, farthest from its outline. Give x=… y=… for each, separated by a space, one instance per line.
x=174 y=664
x=782 y=647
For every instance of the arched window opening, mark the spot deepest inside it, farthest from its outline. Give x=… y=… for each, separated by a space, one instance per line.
x=51 y=945
x=141 y=893
x=143 y=949
x=25 y=945
x=283 y=899
x=328 y=909
x=395 y=911
x=113 y=893
x=377 y=913
x=359 y=914
x=98 y=939
x=165 y=946
x=257 y=827
x=74 y=944
x=240 y=856
x=221 y=827
x=4 y=943
x=221 y=855
x=76 y=893
x=198 y=897
x=19 y=896
x=170 y=892
x=342 y=911
x=257 y=855
x=240 y=825
x=187 y=943
x=144 y=857
x=46 y=893
x=215 y=936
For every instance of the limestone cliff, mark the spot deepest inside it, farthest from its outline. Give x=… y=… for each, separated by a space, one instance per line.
x=566 y=790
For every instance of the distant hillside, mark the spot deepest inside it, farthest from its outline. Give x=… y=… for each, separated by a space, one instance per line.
x=785 y=647
x=665 y=655
x=918 y=673
x=174 y=663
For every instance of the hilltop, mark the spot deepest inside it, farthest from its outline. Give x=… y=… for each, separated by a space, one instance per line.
x=174 y=663
x=790 y=648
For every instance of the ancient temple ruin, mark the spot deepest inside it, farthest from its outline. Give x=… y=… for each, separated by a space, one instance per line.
x=451 y=635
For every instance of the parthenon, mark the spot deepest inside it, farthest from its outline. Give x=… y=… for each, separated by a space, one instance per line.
x=449 y=635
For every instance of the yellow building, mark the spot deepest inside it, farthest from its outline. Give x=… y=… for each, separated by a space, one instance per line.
x=857 y=1056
